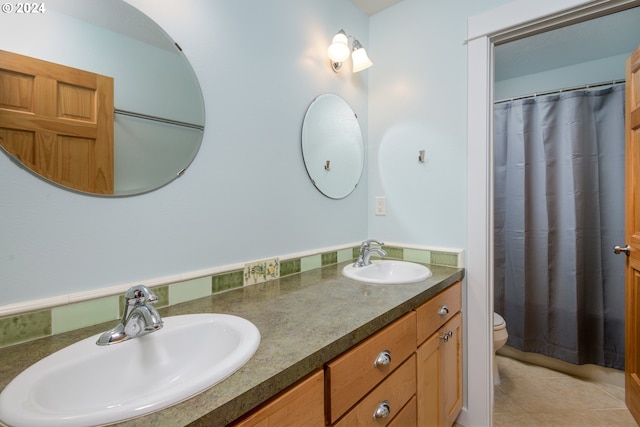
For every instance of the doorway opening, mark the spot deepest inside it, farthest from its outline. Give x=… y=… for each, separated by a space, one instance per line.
x=504 y=24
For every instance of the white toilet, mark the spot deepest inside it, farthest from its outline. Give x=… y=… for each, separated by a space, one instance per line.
x=499 y=339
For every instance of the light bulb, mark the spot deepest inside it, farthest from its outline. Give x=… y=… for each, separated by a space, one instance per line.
x=339 y=49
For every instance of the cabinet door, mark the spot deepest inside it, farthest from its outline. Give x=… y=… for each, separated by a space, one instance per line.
x=439 y=375
x=451 y=370
x=428 y=382
x=300 y=405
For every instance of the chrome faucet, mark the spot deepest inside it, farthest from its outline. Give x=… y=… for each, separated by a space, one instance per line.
x=139 y=317
x=366 y=251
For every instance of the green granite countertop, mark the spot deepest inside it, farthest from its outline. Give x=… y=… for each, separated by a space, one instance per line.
x=305 y=320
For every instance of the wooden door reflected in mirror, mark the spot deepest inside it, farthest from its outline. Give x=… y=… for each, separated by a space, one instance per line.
x=58 y=121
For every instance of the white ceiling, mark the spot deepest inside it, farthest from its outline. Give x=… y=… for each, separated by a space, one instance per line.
x=599 y=38
x=371 y=7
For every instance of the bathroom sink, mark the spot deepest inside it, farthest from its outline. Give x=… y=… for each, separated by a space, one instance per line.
x=86 y=384
x=388 y=272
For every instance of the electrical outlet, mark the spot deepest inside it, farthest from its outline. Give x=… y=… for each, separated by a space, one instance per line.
x=381 y=205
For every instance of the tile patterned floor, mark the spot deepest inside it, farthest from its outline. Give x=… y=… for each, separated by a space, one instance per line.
x=533 y=396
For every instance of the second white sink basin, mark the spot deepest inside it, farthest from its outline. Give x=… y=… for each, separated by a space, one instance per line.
x=86 y=384
x=388 y=272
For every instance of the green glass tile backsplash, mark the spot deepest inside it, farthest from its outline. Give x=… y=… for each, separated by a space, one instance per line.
x=289 y=267
x=393 y=252
x=329 y=258
x=86 y=313
x=25 y=327
x=28 y=326
x=226 y=281
x=444 y=258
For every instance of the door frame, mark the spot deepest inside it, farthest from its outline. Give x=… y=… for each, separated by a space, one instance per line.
x=514 y=20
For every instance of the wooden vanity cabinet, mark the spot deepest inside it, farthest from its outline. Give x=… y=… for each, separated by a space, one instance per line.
x=439 y=359
x=383 y=373
x=302 y=404
x=355 y=373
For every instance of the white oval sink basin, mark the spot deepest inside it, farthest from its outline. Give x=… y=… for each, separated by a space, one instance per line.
x=86 y=384
x=388 y=272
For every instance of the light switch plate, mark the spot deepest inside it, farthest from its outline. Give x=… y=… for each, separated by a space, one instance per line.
x=381 y=205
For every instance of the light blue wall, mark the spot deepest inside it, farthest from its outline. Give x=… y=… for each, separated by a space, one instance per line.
x=585 y=53
x=417 y=100
x=598 y=71
x=246 y=196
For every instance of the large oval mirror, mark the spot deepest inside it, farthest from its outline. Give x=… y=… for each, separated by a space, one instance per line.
x=156 y=116
x=332 y=146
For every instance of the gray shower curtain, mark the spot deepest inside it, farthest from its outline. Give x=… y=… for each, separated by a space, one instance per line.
x=559 y=210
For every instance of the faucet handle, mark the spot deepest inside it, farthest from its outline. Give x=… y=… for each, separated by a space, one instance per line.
x=140 y=295
x=368 y=243
x=364 y=254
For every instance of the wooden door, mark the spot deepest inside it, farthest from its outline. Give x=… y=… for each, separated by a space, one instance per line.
x=58 y=121
x=632 y=212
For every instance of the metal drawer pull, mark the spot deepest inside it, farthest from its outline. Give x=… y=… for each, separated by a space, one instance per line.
x=443 y=310
x=446 y=336
x=383 y=410
x=383 y=359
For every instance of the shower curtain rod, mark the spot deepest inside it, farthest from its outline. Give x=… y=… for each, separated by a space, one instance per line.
x=157 y=119
x=569 y=89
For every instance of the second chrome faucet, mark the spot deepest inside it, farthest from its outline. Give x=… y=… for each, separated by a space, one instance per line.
x=366 y=251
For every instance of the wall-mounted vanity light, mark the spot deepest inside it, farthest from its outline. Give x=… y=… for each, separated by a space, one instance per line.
x=339 y=51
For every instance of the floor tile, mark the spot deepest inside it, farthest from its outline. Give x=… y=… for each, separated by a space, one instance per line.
x=531 y=396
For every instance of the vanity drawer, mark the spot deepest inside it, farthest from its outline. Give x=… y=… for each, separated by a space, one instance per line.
x=407 y=416
x=438 y=310
x=396 y=391
x=352 y=375
x=300 y=405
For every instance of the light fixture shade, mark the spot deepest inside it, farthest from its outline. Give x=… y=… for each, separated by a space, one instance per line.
x=339 y=49
x=359 y=57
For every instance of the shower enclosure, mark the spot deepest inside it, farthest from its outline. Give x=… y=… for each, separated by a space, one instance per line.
x=559 y=211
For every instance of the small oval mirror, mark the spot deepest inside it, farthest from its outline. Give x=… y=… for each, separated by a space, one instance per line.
x=332 y=146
